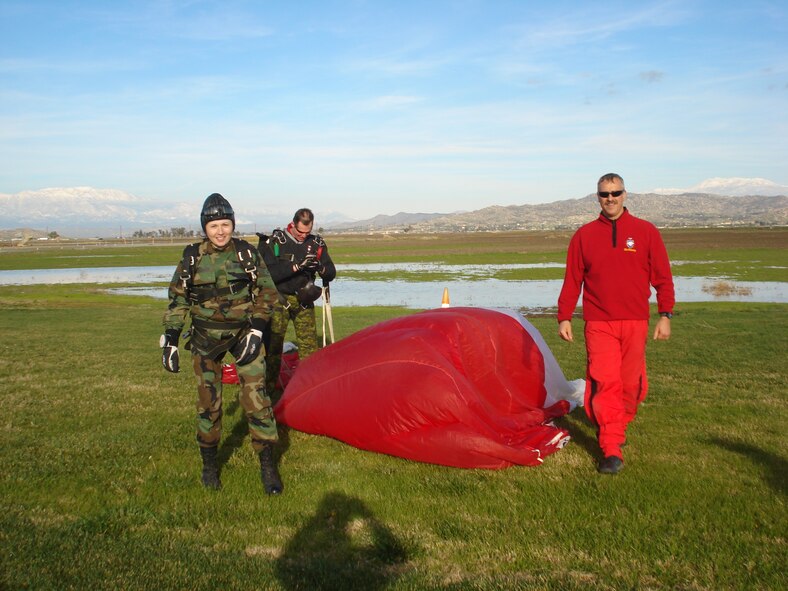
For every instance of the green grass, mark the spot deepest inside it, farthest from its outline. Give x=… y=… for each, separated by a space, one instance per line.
x=66 y=256
x=750 y=254
x=100 y=473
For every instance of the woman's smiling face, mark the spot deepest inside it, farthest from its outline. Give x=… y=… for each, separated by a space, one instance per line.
x=219 y=232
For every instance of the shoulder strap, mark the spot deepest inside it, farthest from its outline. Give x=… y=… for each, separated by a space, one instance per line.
x=262 y=239
x=191 y=255
x=245 y=253
x=277 y=238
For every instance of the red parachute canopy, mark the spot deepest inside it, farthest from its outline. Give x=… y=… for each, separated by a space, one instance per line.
x=464 y=387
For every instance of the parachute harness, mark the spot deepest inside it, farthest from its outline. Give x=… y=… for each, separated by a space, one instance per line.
x=246 y=258
x=191 y=257
x=279 y=238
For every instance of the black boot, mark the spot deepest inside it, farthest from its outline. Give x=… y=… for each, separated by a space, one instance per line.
x=268 y=472
x=210 y=468
x=610 y=465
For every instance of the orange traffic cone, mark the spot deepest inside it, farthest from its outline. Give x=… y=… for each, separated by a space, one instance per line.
x=445 y=300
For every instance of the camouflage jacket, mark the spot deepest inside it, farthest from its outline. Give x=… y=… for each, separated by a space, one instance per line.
x=217 y=270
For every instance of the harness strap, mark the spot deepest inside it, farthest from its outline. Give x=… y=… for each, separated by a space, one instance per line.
x=279 y=236
x=191 y=256
x=214 y=325
x=202 y=293
x=245 y=252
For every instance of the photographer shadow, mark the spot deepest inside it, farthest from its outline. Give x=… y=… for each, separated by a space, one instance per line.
x=343 y=547
x=776 y=468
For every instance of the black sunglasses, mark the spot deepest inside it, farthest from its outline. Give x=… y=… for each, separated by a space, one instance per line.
x=604 y=194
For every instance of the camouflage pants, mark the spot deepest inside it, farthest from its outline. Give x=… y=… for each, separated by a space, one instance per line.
x=253 y=400
x=305 y=332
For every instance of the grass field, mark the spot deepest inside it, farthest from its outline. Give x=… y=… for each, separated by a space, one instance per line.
x=100 y=474
x=747 y=254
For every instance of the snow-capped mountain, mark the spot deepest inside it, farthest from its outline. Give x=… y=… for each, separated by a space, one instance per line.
x=731 y=187
x=87 y=211
x=82 y=204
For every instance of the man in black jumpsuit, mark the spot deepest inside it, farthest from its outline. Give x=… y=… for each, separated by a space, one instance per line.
x=294 y=257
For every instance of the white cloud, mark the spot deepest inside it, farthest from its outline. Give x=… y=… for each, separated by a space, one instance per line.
x=391 y=102
x=591 y=25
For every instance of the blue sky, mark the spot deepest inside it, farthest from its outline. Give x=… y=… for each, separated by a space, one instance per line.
x=379 y=107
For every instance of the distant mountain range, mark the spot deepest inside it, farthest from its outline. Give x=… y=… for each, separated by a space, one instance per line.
x=87 y=211
x=683 y=210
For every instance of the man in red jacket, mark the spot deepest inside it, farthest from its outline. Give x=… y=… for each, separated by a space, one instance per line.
x=616 y=259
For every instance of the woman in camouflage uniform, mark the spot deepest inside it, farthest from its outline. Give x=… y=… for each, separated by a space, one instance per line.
x=223 y=286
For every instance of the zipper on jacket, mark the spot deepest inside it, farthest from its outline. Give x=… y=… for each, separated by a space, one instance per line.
x=613 y=222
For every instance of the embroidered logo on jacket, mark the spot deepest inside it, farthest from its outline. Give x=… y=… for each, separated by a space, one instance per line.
x=630 y=245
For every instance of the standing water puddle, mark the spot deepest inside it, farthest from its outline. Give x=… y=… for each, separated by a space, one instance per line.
x=470 y=285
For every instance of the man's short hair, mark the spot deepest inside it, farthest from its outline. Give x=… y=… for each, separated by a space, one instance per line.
x=609 y=178
x=304 y=215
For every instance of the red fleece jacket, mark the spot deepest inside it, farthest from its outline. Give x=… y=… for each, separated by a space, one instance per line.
x=616 y=262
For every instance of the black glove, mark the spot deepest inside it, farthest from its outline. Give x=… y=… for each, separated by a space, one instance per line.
x=248 y=347
x=308 y=263
x=168 y=342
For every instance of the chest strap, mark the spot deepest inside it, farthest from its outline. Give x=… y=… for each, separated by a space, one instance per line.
x=203 y=293
x=246 y=258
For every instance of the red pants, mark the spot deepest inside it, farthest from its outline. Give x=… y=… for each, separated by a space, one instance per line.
x=616 y=378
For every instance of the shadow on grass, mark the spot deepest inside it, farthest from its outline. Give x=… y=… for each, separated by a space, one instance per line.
x=582 y=431
x=233 y=441
x=284 y=440
x=775 y=466
x=231 y=408
x=343 y=546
